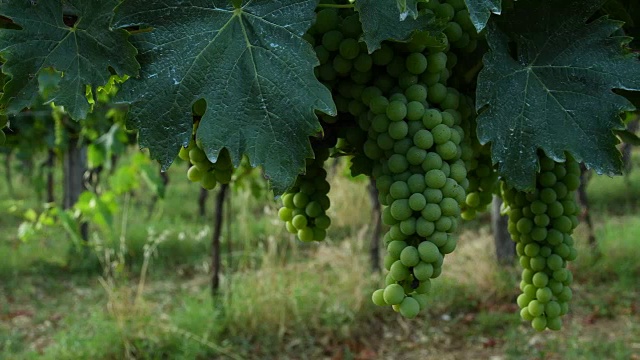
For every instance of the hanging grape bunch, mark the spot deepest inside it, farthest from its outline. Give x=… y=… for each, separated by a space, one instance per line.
x=541 y=224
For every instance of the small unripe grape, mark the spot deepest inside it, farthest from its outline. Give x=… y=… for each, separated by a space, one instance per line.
x=409 y=308
x=378 y=297
x=393 y=294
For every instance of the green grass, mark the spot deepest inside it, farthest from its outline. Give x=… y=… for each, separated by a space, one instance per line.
x=282 y=299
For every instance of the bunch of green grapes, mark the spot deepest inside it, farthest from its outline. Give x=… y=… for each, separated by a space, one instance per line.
x=202 y=170
x=483 y=178
x=208 y=174
x=305 y=205
x=415 y=137
x=346 y=68
x=541 y=224
x=460 y=32
x=483 y=182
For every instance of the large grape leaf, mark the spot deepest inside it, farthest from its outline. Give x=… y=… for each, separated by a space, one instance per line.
x=481 y=10
x=556 y=94
x=381 y=20
x=250 y=64
x=83 y=52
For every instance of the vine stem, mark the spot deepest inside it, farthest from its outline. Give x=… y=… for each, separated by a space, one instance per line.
x=337 y=6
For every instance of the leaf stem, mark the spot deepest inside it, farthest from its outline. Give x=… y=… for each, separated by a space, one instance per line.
x=337 y=6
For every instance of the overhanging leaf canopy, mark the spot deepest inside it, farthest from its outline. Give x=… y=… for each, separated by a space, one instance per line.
x=250 y=64
x=83 y=52
x=556 y=93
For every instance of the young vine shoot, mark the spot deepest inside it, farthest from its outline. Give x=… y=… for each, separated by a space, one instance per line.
x=443 y=103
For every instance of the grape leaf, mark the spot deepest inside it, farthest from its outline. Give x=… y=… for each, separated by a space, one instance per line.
x=556 y=95
x=250 y=64
x=406 y=8
x=628 y=137
x=83 y=52
x=381 y=21
x=480 y=11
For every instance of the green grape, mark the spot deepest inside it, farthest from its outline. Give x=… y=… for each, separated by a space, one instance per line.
x=409 y=308
x=437 y=62
x=299 y=221
x=407 y=80
x=415 y=110
x=416 y=92
x=300 y=200
x=322 y=53
x=383 y=56
x=435 y=179
x=396 y=111
x=306 y=234
x=341 y=65
x=432 y=118
x=323 y=222
x=445 y=11
x=349 y=48
x=393 y=294
x=553 y=323
x=380 y=123
x=378 y=297
x=399 y=190
x=416 y=63
x=398 y=130
x=409 y=256
x=285 y=214
x=437 y=93
x=290 y=228
x=464 y=20
x=194 y=174
x=326 y=20
x=539 y=323
x=363 y=62
x=415 y=155
x=395 y=248
x=441 y=134
x=379 y=105
x=453 y=31
x=331 y=40
x=423 y=139
x=396 y=67
x=197 y=156
x=400 y=209
x=416 y=183
x=184 y=154
x=208 y=181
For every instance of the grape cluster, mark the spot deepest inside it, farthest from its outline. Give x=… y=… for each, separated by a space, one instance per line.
x=305 y=205
x=346 y=68
x=403 y=127
x=421 y=180
x=541 y=223
x=414 y=137
x=483 y=182
x=460 y=32
x=202 y=170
